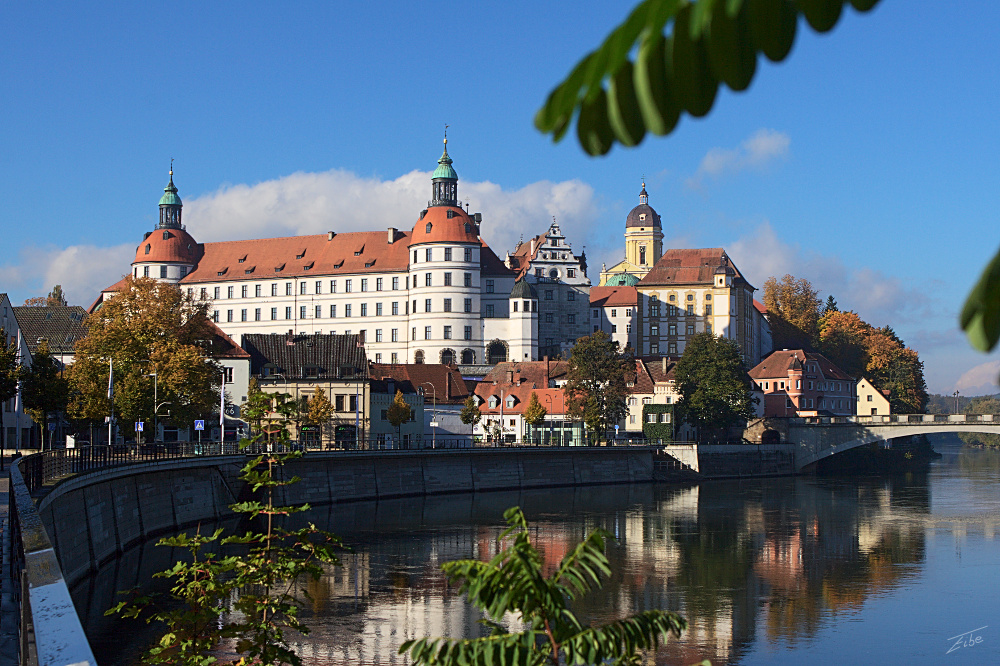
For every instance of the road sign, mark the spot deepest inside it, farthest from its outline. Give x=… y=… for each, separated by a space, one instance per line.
x=199 y=424
x=616 y=428
x=434 y=424
x=138 y=426
x=52 y=425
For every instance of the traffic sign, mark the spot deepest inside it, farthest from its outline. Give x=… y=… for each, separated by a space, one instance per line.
x=138 y=426
x=199 y=424
x=434 y=424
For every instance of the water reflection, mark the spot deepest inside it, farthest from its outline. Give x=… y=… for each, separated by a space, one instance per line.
x=767 y=566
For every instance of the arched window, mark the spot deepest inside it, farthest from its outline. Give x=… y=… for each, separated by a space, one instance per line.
x=496 y=352
x=147 y=248
x=427 y=229
x=447 y=356
x=418 y=356
x=468 y=357
x=554 y=273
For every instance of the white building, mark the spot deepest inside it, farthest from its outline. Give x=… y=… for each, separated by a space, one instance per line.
x=17 y=426
x=433 y=294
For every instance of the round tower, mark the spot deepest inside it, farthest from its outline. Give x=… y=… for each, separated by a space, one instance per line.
x=522 y=336
x=444 y=303
x=168 y=252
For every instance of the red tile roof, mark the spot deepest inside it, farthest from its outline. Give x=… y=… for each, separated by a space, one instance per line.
x=529 y=372
x=776 y=365
x=224 y=346
x=459 y=228
x=448 y=384
x=521 y=257
x=553 y=400
x=759 y=306
x=169 y=245
x=609 y=296
x=688 y=267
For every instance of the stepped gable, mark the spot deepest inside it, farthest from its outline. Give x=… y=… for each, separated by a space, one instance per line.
x=290 y=355
x=689 y=267
x=59 y=325
x=301 y=256
x=612 y=296
x=778 y=363
x=410 y=378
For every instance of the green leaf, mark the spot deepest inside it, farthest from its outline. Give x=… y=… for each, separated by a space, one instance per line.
x=980 y=317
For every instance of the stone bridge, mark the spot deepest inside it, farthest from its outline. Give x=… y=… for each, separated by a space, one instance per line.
x=816 y=438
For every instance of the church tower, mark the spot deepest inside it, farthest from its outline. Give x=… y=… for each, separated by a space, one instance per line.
x=167 y=253
x=643 y=234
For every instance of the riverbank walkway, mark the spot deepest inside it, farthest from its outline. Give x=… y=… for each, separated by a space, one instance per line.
x=8 y=606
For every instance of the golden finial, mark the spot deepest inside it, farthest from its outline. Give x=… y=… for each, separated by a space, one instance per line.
x=446 y=133
x=171 y=167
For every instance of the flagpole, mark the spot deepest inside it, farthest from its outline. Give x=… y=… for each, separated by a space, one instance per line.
x=222 y=408
x=18 y=406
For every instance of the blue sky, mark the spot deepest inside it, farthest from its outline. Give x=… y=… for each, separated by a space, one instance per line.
x=867 y=162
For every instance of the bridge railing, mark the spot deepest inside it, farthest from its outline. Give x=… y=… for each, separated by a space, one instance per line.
x=895 y=418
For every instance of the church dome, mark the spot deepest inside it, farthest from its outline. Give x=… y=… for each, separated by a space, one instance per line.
x=622 y=280
x=445 y=224
x=444 y=169
x=643 y=215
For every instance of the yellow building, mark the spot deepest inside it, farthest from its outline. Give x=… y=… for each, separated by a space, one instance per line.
x=643 y=245
x=871 y=401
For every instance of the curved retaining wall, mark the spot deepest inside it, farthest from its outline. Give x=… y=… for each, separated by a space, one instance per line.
x=92 y=518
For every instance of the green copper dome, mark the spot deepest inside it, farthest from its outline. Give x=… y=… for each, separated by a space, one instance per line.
x=170 y=197
x=444 y=169
x=622 y=280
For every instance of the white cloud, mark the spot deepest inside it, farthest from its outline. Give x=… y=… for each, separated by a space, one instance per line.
x=82 y=270
x=310 y=203
x=980 y=380
x=878 y=298
x=762 y=147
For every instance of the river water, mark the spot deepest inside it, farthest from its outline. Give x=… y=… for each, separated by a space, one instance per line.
x=801 y=570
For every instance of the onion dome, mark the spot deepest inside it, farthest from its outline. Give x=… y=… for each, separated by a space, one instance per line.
x=170 y=205
x=523 y=290
x=643 y=215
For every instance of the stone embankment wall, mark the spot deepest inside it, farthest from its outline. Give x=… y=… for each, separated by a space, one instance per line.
x=92 y=518
x=723 y=461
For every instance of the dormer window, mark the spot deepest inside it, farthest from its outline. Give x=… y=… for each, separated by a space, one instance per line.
x=311 y=371
x=451 y=213
x=468 y=228
x=300 y=254
x=308 y=266
x=369 y=264
x=224 y=271
x=147 y=248
x=493 y=402
x=166 y=235
x=243 y=258
x=339 y=265
x=278 y=269
x=357 y=253
x=642 y=217
x=510 y=401
x=427 y=228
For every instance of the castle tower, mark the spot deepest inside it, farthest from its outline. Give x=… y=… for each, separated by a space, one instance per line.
x=168 y=252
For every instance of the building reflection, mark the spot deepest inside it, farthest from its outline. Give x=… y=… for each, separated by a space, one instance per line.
x=744 y=561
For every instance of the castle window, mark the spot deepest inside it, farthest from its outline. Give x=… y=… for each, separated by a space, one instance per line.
x=427 y=228
x=166 y=235
x=642 y=216
x=243 y=258
x=147 y=248
x=468 y=228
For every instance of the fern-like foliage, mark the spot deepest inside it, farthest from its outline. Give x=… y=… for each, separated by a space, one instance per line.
x=512 y=582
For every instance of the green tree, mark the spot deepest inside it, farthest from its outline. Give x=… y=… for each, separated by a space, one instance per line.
x=56 y=296
x=44 y=390
x=399 y=412
x=713 y=383
x=982 y=405
x=9 y=373
x=257 y=405
x=470 y=414
x=831 y=305
x=534 y=413
x=598 y=382
x=320 y=411
x=251 y=597
x=147 y=327
x=711 y=42
x=512 y=582
x=793 y=312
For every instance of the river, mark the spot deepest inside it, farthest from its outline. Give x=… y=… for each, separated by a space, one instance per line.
x=796 y=570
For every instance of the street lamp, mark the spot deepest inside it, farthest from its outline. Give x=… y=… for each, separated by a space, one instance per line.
x=548 y=413
x=956 y=401
x=155 y=405
x=433 y=414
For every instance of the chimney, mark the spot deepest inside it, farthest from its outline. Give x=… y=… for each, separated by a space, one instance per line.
x=664 y=366
x=330 y=235
x=392 y=235
x=289 y=339
x=510 y=376
x=532 y=248
x=447 y=383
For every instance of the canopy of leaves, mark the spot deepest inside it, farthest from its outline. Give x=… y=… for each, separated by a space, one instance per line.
x=861 y=350
x=713 y=383
x=470 y=414
x=147 y=327
x=257 y=405
x=320 y=408
x=710 y=42
x=793 y=312
x=55 y=297
x=982 y=405
x=598 y=382
x=399 y=411
x=512 y=582
x=534 y=412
